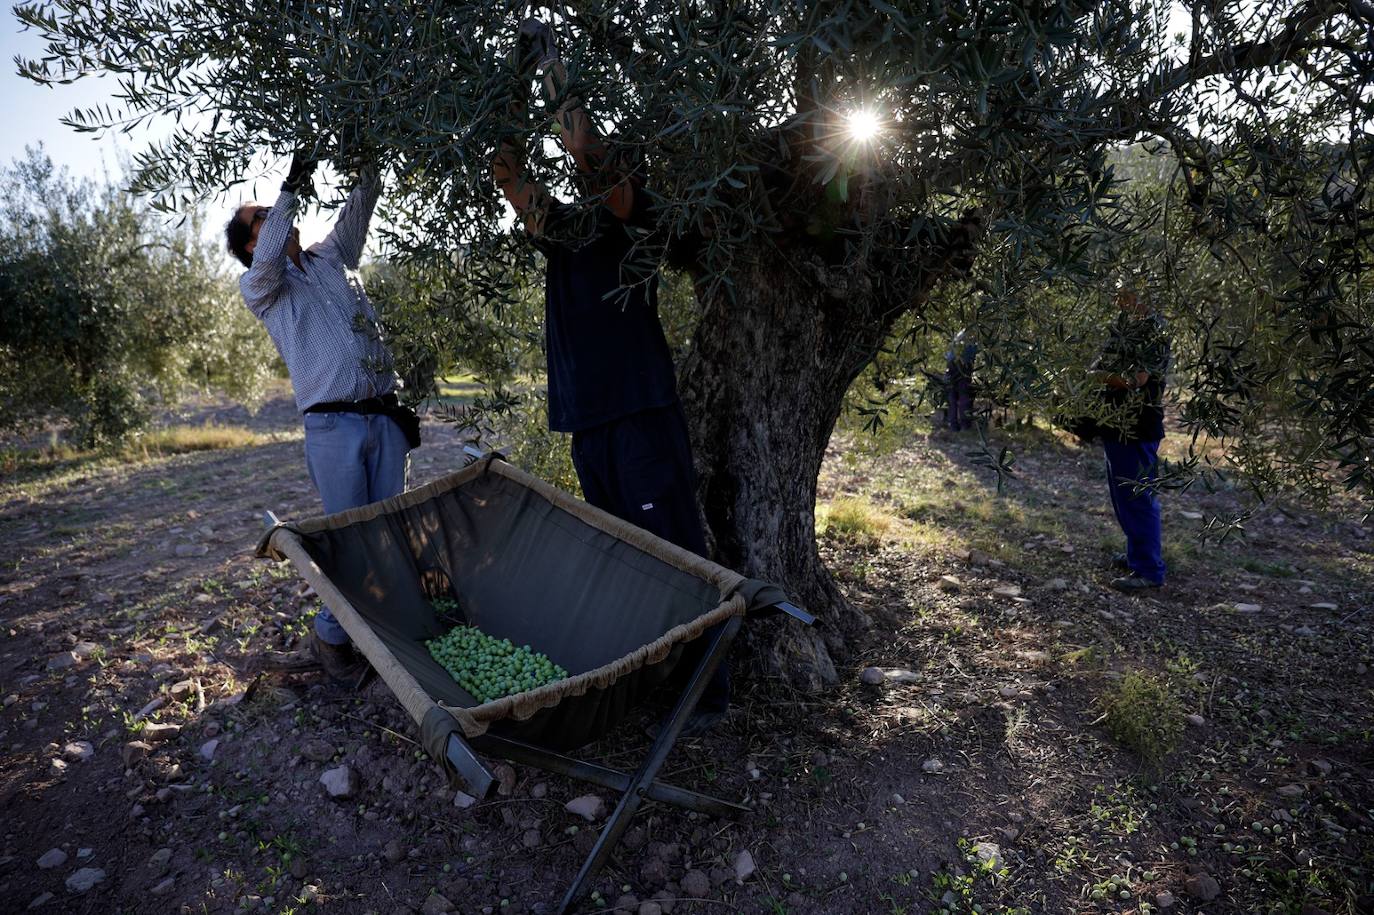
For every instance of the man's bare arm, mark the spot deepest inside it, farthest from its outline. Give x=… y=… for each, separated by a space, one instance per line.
x=585 y=144
x=529 y=198
x=1121 y=382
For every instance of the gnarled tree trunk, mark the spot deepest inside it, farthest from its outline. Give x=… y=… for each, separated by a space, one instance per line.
x=762 y=388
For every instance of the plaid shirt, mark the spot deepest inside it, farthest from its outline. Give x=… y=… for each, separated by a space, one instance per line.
x=317 y=314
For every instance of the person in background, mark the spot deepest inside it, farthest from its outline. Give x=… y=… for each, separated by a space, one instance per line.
x=610 y=372
x=357 y=436
x=959 y=361
x=1132 y=366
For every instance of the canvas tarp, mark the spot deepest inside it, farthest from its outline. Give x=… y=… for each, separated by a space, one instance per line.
x=615 y=606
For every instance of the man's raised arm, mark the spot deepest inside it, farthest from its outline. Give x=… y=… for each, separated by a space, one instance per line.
x=577 y=133
x=349 y=234
x=264 y=277
x=263 y=280
x=527 y=196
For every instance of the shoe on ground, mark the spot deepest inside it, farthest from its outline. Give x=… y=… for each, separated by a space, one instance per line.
x=698 y=723
x=342 y=663
x=1130 y=584
x=1119 y=562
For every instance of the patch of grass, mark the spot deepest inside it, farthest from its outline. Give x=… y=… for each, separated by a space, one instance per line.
x=854 y=519
x=1264 y=567
x=183 y=439
x=1142 y=713
x=56 y=464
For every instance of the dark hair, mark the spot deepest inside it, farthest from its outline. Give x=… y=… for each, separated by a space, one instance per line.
x=237 y=235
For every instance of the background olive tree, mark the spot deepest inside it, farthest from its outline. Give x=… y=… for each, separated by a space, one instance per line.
x=108 y=310
x=997 y=166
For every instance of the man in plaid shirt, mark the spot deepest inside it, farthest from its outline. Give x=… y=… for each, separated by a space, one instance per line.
x=324 y=327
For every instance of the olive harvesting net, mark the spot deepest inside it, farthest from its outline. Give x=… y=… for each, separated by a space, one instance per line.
x=596 y=612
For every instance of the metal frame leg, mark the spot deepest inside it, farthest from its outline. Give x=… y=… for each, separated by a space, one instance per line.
x=638 y=788
x=477 y=778
x=603 y=776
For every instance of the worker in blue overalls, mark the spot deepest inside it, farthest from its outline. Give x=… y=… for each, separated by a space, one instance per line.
x=1132 y=367
x=610 y=372
x=959 y=359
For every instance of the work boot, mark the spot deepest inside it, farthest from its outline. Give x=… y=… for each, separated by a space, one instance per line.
x=342 y=663
x=1129 y=584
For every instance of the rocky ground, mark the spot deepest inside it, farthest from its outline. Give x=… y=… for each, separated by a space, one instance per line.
x=989 y=748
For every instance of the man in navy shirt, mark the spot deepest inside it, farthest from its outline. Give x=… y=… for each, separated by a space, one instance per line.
x=610 y=373
x=1133 y=366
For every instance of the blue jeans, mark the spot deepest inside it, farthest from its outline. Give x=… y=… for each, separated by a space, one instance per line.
x=1130 y=463
x=353 y=459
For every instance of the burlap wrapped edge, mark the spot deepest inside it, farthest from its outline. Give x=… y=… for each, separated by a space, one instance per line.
x=476 y=719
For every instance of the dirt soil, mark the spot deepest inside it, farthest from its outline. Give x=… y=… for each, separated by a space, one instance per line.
x=995 y=763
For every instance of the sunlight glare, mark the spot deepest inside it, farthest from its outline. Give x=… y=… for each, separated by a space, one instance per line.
x=863 y=125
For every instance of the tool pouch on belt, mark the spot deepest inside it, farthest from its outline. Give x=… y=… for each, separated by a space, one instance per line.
x=409 y=422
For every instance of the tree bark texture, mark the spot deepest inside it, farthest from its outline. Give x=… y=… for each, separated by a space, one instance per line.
x=762 y=387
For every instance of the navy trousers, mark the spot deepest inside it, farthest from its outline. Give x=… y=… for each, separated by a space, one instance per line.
x=1130 y=463
x=959 y=385
x=639 y=468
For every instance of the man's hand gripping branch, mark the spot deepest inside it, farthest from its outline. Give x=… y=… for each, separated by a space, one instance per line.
x=538 y=53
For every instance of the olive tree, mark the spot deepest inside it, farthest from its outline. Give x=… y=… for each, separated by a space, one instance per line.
x=819 y=170
x=107 y=309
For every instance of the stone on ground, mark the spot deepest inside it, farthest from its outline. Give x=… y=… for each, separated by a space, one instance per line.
x=62 y=660
x=159 y=732
x=207 y=749
x=341 y=782
x=1202 y=887
x=163 y=886
x=933 y=766
x=462 y=800
x=949 y=584
x=436 y=904
x=134 y=752
x=871 y=676
x=696 y=884
x=989 y=853
x=160 y=861
x=588 y=806
x=40 y=900
x=82 y=880
x=78 y=751
x=744 y=866
x=53 y=857
x=316 y=750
